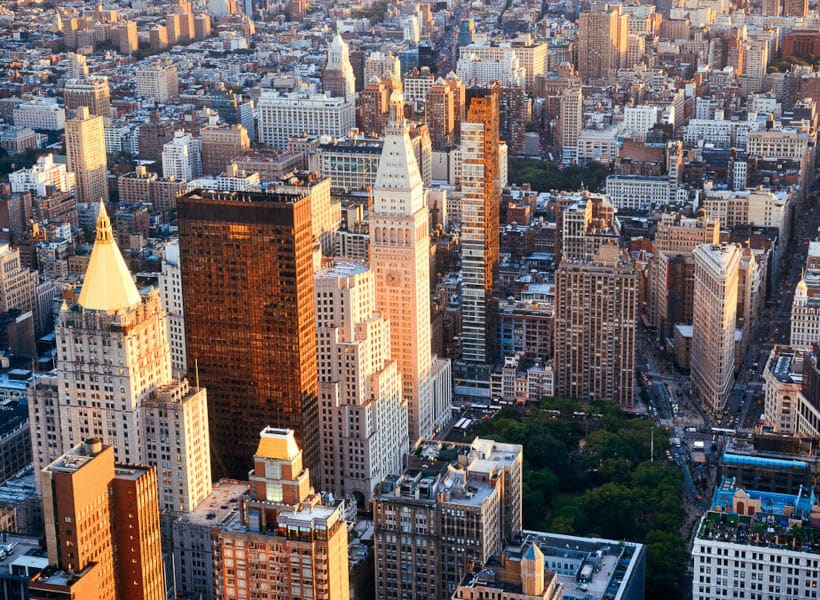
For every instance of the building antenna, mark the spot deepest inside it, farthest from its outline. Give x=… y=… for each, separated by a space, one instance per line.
x=196 y=371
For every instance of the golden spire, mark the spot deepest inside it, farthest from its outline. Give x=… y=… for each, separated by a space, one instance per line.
x=108 y=285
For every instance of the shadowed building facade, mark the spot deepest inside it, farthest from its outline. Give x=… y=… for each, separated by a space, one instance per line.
x=250 y=324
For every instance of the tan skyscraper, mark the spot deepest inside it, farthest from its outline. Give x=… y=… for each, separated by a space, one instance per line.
x=374 y=106
x=440 y=115
x=595 y=313
x=85 y=147
x=220 y=145
x=283 y=542
x=714 y=323
x=602 y=43
x=114 y=381
x=92 y=92
x=363 y=412
x=400 y=258
x=672 y=291
x=570 y=121
x=102 y=528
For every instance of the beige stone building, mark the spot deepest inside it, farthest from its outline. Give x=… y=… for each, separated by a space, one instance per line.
x=714 y=323
x=220 y=145
x=595 y=314
x=85 y=147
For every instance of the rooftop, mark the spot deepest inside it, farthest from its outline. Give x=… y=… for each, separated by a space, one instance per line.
x=610 y=563
x=219 y=505
x=782 y=521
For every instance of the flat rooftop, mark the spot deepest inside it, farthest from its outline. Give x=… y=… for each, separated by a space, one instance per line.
x=219 y=505
x=25 y=550
x=613 y=563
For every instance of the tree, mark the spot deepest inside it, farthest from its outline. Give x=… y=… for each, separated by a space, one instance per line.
x=666 y=558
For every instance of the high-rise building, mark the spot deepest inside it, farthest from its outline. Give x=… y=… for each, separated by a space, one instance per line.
x=795 y=8
x=170 y=292
x=673 y=273
x=783 y=381
x=595 y=321
x=374 y=107
x=363 y=411
x=92 y=93
x=602 y=42
x=714 y=323
x=182 y=157
x=337 y=77
x=102 y=528
x=325 y=211
x=400 y=258
x=587 y=223
x=43 y=174
x=18 y=285
x=112 y=359
x=440 y=115
x=299 y=544
x=220 y=145
x=85 y=147
x=753 y=537
x=521 y=575
x=480 y=223
x=158 y=81
x=252 y=339
x=175 y=419
x=570 y=122
x=443 y=514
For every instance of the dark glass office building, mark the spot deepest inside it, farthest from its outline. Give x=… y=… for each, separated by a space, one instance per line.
x=250 y=323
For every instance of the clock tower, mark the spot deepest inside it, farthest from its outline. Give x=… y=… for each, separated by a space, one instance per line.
x=400 y=255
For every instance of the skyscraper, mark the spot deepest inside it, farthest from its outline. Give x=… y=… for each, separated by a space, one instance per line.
x=480 y=222
x=714 y=323
x=337 y=77
x=112 y=353
x=85 y=147
x=363 y=411
x=595 y=313
x=92 y=92
x=400 y=258
x=374 y=106
x=440 y=115
x=102 y=528
x=113 y=360
x=182 y=157
x=220 y=145
x=602 y=42
x=570 y=121
x=250 y=323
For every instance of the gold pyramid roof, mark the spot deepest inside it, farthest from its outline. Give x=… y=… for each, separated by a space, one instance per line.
x=108 y=285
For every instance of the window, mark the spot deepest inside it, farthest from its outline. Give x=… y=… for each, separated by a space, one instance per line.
x=274 y=491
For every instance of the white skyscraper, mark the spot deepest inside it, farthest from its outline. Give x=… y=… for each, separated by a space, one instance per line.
x=170 y=291
x=182 y=157
x=114 y=381
x=338 y=77
x=400 y=258
x=364 y=416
